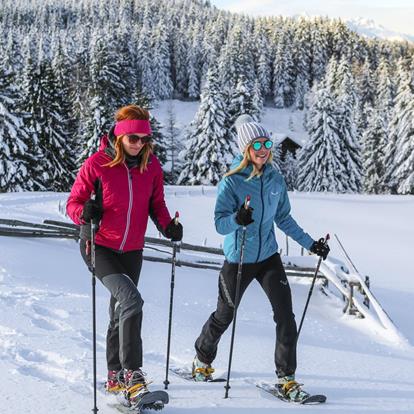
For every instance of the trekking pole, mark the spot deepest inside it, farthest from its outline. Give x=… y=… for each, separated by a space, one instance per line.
x=95 y=196
x=311 y=288
x=176 y=248
x=236 y=299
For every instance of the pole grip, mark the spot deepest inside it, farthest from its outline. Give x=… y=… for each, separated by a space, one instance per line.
x=247 y=202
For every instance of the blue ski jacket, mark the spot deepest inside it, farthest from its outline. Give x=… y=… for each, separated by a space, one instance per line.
x=270 y=203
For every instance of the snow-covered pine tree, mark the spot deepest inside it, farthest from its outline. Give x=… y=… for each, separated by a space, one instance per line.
x=320 y=162
x=50 y=125
x=283 y=73
x=64 y=80
x=233 y=63
x=402 y=169
x=385 y=93
x=374 y=142
x=144 y=59
x=302 y=61
x=174 y=146
x=351 y=149
x=242 y=101
x=161 y=62
x=179 y=59
x=263 y=57
x=14 y=174
x=208 y=152
x=194 y=63
x=366 y=85
x=319 y=49
x=106 y=93
x=257 y=100
x=289 y=170
x=398 y=124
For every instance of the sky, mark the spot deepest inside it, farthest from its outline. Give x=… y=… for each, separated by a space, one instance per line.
x=397 y=15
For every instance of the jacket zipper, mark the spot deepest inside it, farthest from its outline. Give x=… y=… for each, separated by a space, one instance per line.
x=131 y=199
x=261 y=218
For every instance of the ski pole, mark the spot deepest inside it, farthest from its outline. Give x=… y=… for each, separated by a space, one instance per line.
x=176 y=248
x=311 y=288
x=94 y=196
x=236 y=299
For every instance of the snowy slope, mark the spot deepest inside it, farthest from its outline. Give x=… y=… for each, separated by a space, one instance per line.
x=45 y=315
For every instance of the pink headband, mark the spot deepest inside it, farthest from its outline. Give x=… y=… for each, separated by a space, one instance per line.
x=134 y=126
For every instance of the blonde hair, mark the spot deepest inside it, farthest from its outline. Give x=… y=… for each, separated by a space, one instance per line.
x=131 y=112
x=245 y=163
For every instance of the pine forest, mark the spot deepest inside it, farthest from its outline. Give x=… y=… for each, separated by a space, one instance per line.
x=67 y=65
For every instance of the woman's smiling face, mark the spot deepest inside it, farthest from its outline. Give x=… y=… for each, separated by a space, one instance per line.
x=259 y=157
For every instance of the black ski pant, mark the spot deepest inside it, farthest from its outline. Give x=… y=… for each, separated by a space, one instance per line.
x=272 y=278
x=119 y=273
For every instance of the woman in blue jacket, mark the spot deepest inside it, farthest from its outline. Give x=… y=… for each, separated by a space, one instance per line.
x=253 y=174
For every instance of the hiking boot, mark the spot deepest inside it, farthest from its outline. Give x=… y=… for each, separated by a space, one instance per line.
x=136 y=385
x=291 y=390
x=201 y=371
x=115 y=382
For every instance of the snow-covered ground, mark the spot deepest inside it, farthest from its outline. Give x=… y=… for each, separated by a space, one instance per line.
x=45 y=314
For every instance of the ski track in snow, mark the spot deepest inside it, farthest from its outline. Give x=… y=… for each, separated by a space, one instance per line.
x=46 y=338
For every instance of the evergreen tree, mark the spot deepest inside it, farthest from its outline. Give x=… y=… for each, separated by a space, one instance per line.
x=243 y=101
x=374 y=141
x=105 y=94
x=283 y=74
x=13 y=149
x=232 y=63
x=208 y=153
x=174 y=146
x=366 y=84
x=385 y=93
x=179 y=59
x=302 y=61
x=50 y=125
x=161 y=63
x=351 y=150
x=289 y=170
x=263 y=59
x=319 y=49
x=402 y=169
x=398 y=132
x=320 y=162
x=144 y=59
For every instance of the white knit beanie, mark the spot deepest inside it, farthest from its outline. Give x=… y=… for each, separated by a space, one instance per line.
x=248 y=130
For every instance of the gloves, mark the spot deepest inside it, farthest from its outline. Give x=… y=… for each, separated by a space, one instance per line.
x=92 y=211
x=320 y=248
x=174 y=231
x=244 y=216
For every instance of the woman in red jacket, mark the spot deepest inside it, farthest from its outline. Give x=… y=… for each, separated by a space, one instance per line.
x=131 y=180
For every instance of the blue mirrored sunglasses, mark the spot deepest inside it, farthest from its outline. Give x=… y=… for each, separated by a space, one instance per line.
x=257 y=145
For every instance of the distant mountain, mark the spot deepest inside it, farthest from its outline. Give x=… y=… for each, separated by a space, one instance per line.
x=369 y=28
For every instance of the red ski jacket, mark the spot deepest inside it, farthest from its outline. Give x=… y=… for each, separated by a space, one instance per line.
x=129 y=198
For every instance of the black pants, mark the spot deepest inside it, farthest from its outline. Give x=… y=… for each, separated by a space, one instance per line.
x=272 y=278
x=119 y=273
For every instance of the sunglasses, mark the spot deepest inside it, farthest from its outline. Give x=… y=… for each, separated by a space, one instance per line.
x=133 y=139
x=257 y=145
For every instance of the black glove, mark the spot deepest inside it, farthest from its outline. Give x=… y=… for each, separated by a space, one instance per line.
x=320 y=248
x=174 y=231
x=92 y=211
x=244 y=216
